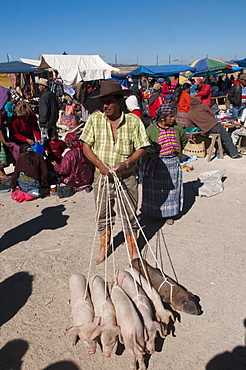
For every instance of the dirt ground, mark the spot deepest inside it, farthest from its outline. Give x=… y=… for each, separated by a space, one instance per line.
x=43 y=242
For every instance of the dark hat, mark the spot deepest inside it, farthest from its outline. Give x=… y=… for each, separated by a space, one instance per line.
x=110 y=87
x=164 y=110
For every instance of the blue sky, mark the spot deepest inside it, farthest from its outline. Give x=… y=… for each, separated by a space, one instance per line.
x=130 y=30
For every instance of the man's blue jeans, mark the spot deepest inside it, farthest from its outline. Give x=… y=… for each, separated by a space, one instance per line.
x=225 y=138
x=237 y=112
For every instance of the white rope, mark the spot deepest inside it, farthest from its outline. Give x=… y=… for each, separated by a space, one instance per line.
x=141 y=230
x=147 y=242
x=95 y=234
x=120 y=192
x=122 y=205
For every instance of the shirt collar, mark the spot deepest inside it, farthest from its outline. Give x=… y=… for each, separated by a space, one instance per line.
x=122 y=119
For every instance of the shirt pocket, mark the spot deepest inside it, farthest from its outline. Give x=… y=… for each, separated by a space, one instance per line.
x=124 y=147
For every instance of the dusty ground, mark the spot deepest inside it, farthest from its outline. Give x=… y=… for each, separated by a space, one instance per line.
x=43 y=242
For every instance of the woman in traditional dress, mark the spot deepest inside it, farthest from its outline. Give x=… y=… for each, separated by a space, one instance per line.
x=162 y=185
x=75 y=169
x=183 y=105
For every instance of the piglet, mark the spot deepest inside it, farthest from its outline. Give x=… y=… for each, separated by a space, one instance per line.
x=82 y=313
x=104 y=315
x=132 y=332
x=137 y=294
x=170 y=291
x=162 y=314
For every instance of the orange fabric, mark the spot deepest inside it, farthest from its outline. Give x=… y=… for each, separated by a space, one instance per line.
x=184 y=102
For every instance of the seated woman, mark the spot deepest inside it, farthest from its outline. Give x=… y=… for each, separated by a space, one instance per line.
x=75 y=169
x=30 y=171
x=162 y=186
x=23 y=128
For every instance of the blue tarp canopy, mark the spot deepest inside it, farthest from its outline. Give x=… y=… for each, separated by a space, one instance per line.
x=160 y=71
x=241 y=62
x=17 y=67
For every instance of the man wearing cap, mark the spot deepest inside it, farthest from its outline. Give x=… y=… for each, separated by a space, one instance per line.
x=204 y=92
x=237 y=96
x=48 y=106
x=115 y=141
x=155 y=100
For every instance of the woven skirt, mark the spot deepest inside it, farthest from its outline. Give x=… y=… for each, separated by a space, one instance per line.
x=181 y=119
x=163 y=193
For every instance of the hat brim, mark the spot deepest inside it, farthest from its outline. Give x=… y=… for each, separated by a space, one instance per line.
x=39 y=83
x=118 y=92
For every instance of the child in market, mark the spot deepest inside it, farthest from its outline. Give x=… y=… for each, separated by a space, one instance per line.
x=54 y=147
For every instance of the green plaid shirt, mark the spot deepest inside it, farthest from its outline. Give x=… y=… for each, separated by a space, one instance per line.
x=130 y=136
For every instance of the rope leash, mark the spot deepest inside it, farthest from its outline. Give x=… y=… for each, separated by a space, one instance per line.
x=141 y=230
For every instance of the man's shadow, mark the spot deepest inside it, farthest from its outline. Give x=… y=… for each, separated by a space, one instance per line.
x=12 y=353
x=14 y=292
x=234 y=360
x=51 y=219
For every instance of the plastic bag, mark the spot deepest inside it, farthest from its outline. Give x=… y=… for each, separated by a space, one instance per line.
x=211 y=183
x=21 y=196
x=38 y=148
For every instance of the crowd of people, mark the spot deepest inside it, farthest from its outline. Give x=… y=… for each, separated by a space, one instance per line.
x=137 y=133
x=20 y=136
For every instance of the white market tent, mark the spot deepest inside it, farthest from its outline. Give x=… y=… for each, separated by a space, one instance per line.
x=34 y=62
x=76 y=68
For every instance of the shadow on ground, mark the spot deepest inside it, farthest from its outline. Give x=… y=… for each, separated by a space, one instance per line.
x=63 y=365
x=51 y=219
x=234 y=360
x=11 y=354
x=14 y=292
x=190 y=193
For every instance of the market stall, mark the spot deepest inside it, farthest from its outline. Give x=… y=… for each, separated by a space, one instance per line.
x=76 y=68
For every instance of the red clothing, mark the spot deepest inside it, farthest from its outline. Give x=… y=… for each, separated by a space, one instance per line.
x=205 y=94
x=54 y=149
x=154 y=105
x=21 y=131
x=166 y=90
x=184 y=102
x=138 y=113
x=73 y=172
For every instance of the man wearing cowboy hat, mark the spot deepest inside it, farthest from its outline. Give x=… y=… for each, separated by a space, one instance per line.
x=48 y=106
x=115 y=140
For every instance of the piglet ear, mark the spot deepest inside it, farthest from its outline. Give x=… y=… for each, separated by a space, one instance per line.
x=97 y=332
